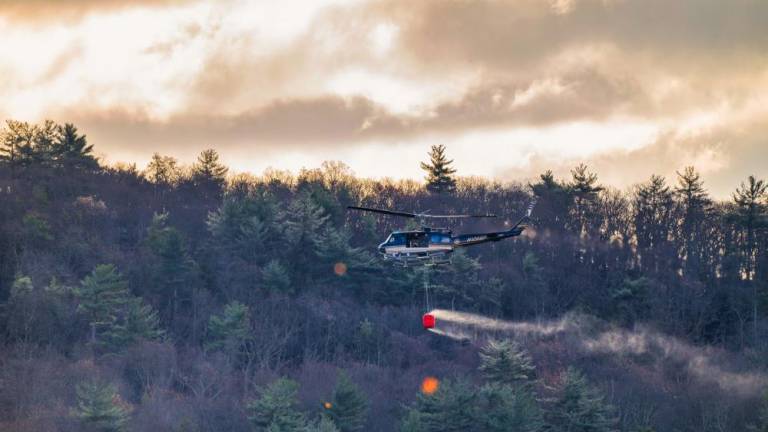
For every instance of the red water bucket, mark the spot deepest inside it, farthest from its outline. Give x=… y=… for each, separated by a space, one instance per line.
x=428 y=320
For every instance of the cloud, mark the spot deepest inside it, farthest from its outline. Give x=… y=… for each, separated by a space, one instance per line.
x=47 y=11
x=338 y=121
x=341 y=75
x=308 y=122
x=725 y=153
x=519 y=33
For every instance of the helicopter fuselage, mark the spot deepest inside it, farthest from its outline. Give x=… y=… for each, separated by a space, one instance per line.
x=434 y=245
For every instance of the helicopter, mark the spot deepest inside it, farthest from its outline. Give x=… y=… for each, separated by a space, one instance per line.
x=434 y=246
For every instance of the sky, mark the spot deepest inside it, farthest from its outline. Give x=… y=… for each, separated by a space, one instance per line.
x=511 y=88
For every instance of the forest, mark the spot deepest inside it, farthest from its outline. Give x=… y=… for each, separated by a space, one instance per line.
x=190 y=298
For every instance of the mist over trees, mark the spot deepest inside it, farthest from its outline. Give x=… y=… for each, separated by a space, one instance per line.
x=190 y=298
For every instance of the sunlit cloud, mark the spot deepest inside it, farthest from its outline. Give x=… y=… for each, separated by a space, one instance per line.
x=289 y=84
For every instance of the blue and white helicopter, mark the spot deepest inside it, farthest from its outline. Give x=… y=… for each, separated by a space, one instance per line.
x=435 y=245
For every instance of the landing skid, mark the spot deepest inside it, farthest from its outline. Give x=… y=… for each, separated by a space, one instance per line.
x=415 y=260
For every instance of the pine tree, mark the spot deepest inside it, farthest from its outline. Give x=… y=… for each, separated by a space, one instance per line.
x=580 y=407
x=762 y=420
x=229 y=331
x=241 y=227
x=439 y=172
x=303 y=227
x=17 y=143
x=506 y=362
x=172 y=270
x=653 y=221
x=349 y=406
x=209 y=174
x=117 y=318
x=584 y=189
x=12 y=137
x=72 y=150
x=452 y=408
x=555 y=199
x=509 y=409
x=276 y=409
x=751 y=215
x=43 y=150
x=275 y=278
x=99 y=408
x=209 y=168
x=323 y=424
x=102 y=295
x=335 y=248
x=694 y=205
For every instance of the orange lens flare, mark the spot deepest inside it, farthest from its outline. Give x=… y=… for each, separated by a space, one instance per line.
x=430 y=385
x=340 y=269
x=327 y=405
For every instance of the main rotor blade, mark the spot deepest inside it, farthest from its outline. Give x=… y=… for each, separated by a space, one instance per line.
x=456 y=216
x=419 y=215
x=387 y=212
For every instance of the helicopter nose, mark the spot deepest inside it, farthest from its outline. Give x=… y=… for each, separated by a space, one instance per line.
x=381 y=249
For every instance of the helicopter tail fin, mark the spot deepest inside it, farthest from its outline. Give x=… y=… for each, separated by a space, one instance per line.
x=521 y=224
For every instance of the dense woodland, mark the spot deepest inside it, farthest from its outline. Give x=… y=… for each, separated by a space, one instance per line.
x=186 y=298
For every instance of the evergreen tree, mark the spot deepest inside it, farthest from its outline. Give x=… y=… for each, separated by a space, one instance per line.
x=452 y=408
x=116 y=317
x=72 y=150
x=653 y=220
x=244 y=238
x=16 y=140
x=102 y=295
x=276 y=409
x=506 y=408
x=349 y=406
x=694 y=205
x=229 y=331
x=303 y=227
x=584 y=189
x=439 y=172
x=208 y=167
x=275 y=278
x=506 y=362
x=99 y=408
x=323 y=424
x=335 y=248
x=762 y=420
x=242 y=227
x=580 y=407
x=141 y=322
x=752 y=216
x=554 y=201
x=172 y=270
x=209 y=174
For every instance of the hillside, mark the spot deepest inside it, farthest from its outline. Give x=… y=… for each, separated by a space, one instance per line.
x=192 y=299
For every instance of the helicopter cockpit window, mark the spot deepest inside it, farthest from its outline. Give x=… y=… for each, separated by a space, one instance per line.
x=418 y=239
